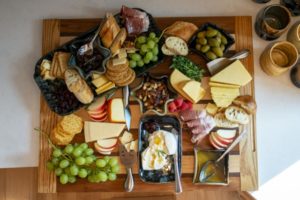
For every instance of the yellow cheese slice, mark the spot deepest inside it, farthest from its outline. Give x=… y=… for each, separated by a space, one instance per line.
x=226 y=91
x=107 y=86
x=119 y=61
x=101 y=80
x=122 y=53
x=178 y=80
x=96 y=75
x=235 y=74
x=101 y=130
x=194 y=90
x=213 y=84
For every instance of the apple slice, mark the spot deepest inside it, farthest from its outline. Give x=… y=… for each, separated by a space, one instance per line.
x=100 y=119
x=226 y=134
x=97 y=104
x=220 y=139
x=100 y=110
x=105 y=152
x=107 y=143
x=99 y=114
x=214 y=144
x=102 y=150
x=217 y=142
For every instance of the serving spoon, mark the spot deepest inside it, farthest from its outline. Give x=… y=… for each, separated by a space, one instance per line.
x=88 y=48
x=213 y=164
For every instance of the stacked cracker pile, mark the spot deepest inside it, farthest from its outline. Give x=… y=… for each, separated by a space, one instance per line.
x=119 y=72
x=66 y=129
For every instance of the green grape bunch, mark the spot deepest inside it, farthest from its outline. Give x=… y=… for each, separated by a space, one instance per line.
x=148 y=50
x=78 y=161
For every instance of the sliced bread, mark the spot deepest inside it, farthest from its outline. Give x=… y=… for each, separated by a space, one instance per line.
x=222 y=121
x=177 y=45
x=236 y=114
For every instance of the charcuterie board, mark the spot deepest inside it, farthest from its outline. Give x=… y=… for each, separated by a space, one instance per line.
x=242 y=160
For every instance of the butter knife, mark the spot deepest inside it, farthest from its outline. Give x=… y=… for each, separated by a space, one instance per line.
x=127 y=113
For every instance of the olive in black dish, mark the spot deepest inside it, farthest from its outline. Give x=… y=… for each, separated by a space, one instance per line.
x=193 y=41
x=148 y=124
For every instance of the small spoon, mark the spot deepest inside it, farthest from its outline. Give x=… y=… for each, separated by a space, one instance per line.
x=213 y=164
x=88 y=48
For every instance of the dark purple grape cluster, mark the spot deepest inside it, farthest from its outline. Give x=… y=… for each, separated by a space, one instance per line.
x=59 y=98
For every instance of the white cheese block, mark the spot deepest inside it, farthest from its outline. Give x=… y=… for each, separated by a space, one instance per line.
x=101 y=130
x=119 y=61
x=134 y=145
x=126 y=138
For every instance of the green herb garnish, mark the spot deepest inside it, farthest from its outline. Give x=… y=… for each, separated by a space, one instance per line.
x=187 y=67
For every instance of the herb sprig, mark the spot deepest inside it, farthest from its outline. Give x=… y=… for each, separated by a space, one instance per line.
x=187 y=67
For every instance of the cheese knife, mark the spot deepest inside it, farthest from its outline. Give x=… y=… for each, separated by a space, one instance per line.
x=127 y=113
x=218 y=64
x=128 y=159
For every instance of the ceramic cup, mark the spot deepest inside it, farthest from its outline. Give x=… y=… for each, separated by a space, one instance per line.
x=278 y=58
x=293 y=35
x=272 y=21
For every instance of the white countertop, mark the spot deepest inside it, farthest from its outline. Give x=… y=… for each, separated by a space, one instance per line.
x=278 y=116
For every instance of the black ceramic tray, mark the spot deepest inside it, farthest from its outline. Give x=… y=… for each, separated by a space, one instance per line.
x=56 y=93
x=192 y=42
x=152 y=28
x=148 y=124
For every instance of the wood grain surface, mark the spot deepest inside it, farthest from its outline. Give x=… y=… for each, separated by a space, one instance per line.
x=243 y=169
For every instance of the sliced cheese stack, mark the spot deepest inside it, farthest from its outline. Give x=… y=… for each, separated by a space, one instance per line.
x=102 y=83
x=225 y=85
x=186 y=87
x=105 y=134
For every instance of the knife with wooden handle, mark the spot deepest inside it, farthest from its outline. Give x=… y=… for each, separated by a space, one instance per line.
x=127 y=113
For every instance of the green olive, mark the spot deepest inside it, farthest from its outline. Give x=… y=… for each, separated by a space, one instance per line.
x=222 y=46
x=205 y=48
x=213 y=42
x=211 y=55
x=224 y=40
x=198 y=47
x=202 y=41
x=211 y=33
x=218 y=51
x=201 y=34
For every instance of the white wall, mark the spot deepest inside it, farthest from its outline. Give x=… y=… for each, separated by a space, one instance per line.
x=278 y=117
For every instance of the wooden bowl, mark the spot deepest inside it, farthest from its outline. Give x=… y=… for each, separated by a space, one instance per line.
x=278 y=58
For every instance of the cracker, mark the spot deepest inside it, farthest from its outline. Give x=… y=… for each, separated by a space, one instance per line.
x=72 y=124
x=128 y=80
x=56 y=138
x=117 y=68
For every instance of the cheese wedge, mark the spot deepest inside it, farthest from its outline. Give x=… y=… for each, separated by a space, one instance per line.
x=225 y=91
x=126 y=138
x=134 y=145
x=116 y=110
x=101 y=80
x=119 y=61
x=213 y=84
x=178 y=80
x=96 y=75
x=107 y=86
x=194 y=90
x=101 y=130
x=235 y=74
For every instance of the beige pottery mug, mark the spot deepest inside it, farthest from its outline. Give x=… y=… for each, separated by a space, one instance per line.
x=293 y=35
x=278 y=58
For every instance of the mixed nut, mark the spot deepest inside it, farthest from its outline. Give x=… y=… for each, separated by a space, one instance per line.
x=153 y=94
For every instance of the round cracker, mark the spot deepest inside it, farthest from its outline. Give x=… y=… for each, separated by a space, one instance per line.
x=72 y=124
x=130 y=79
x=117 y=68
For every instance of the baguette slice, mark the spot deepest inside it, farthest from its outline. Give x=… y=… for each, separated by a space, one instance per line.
x=222 y=121
x=118 y=41
x=236 y=114
x=167 y=51
x=177 y=45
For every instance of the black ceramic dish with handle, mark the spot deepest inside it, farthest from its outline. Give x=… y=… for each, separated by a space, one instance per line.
x=58 y=97
x=147 y=125
x=192 y=41
x=139 y=71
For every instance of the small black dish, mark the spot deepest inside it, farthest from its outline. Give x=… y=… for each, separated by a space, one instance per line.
x=192 y=42
x=148 y=124
x=295 y=75
x=139 y=71
x=55 y=92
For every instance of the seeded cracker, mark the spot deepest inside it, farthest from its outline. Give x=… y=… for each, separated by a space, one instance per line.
x=72 y=124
